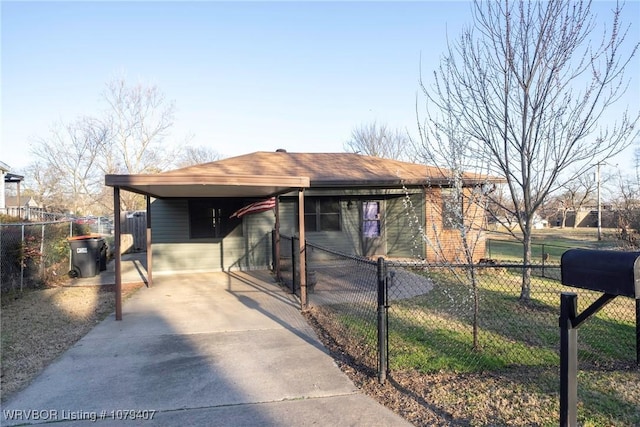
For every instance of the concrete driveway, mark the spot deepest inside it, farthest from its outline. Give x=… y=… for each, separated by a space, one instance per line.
x=207 y=349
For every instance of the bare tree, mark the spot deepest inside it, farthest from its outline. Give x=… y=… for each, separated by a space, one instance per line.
x=66 y=170
x=576 y=195
x=529 y=88
x=379 y=140
x=46 y=186
x=627 y=208
x=139 y=119
x=190 y=155
x=457 y=209
x=128 y=138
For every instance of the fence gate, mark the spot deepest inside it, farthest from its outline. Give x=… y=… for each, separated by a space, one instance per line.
x=134 y=231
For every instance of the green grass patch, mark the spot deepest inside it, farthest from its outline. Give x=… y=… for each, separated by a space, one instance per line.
x=512 y=376
x=609 y=398
x=552 y=242
x=434 y=332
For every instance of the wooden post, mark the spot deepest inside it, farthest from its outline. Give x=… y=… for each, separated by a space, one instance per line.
x=301 y=250
x=118 y=260
x=149 y=250
x=276 y=242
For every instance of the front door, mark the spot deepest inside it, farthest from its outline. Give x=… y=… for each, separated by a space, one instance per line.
x=372 y=228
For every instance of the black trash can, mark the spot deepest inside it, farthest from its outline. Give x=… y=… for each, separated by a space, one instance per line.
x=103 y=256
x=86 y=255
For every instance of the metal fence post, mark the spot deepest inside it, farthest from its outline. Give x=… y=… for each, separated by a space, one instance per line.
x=382 y=321
x=544 y=258
x=1 y=256
x=70 y=235
x=22 y=258
x=638 y=332
x=42 y=257
x=275 y=254
x=568 y=360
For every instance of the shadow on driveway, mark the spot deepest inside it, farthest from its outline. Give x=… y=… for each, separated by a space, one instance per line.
x=202 y=349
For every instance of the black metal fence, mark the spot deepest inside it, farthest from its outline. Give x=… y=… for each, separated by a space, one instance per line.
x=464 y=320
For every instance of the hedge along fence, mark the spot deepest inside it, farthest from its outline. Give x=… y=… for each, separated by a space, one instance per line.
x=32 y=254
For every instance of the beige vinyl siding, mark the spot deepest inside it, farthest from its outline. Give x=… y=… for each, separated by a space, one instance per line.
x=173 y=250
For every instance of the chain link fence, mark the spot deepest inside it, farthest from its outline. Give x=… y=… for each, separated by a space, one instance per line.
x=343 y=292
x=475 y=326
x=32 y=254
x=480 y=314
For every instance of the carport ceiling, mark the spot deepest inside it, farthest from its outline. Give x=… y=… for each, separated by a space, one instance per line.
x=170 y=185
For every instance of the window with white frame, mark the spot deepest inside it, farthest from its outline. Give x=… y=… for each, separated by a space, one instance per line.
x=371 y=219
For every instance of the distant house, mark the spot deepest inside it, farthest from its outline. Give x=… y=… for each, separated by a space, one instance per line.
x=8 y=178
x=4 y=169
x=539 y=223
x=25 y=207
x=352 y=203
x=14 y=202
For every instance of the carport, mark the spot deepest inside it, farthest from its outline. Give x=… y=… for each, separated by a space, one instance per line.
x=193 y=185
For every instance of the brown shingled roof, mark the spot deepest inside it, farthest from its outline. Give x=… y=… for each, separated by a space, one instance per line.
x=326 y=169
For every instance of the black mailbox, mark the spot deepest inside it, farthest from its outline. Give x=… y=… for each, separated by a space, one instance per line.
x=611 y=272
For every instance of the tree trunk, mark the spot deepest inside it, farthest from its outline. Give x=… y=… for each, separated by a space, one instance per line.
x=525 y=291
x=476 y=308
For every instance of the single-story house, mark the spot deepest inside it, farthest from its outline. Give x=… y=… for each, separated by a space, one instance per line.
x=352 y=203
x=15 y=202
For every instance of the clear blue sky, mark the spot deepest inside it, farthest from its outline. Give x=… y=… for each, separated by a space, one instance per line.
x=244 y=76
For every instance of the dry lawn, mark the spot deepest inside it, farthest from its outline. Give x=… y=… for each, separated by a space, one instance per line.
x=39 y=325
x=480 y=399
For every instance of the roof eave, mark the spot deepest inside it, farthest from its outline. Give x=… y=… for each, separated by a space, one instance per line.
x=206 y=185
x=434 y=182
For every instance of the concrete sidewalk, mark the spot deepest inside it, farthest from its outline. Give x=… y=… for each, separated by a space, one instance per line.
x=224 y=349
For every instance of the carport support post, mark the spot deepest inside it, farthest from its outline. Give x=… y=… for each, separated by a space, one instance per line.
x=276 y=242
x=149 y=253
x=118 y=260
x=302 y=247
x=568 y=360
